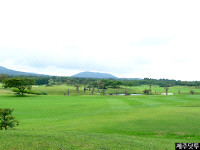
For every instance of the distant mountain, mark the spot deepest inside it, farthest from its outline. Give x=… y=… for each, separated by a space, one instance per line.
x=80 y=75
x=13 y=72
x=94 y=75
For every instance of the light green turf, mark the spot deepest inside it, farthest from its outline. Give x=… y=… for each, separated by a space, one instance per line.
x=61 y=89
x=102 y=122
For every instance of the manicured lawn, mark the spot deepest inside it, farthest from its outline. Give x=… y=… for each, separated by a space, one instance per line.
x=102 y=122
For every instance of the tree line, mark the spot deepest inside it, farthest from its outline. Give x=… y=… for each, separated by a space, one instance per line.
x=112 y=83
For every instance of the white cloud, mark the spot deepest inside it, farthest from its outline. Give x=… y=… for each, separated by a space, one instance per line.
x=157 y=39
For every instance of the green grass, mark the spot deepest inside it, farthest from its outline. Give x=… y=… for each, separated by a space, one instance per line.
x=102 y=122
x=61 y=89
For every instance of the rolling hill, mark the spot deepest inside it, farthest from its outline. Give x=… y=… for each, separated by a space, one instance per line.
x=94 y=75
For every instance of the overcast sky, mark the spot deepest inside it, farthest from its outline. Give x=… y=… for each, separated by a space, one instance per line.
x=136 y=38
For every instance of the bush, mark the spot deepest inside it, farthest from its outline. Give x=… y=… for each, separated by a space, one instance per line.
x=147 y=92
x=6 y=119
x=192 y=92
x=33 y=92
x=44 y=93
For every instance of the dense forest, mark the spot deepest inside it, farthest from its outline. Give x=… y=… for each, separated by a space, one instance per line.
x=113 y=83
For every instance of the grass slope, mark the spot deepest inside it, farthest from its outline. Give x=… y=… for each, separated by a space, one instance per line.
x=61 y=89
x=102 y=122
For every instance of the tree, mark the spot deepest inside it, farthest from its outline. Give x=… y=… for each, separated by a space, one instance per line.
x=98 y=83
x=6 y=119
x=192 y=92
x=50 y=82
x=150 y=87
x=68 y=92
x=147 y=91
x=84 y=82
x=3 y=77
x=77 y=87
x=166 y=90
x=103 y=91
x=125 y=92
x=19 y=83
x=102 y=84
x=92 y=92
x=69 y=82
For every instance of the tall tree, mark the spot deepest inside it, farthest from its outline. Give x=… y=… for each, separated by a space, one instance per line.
x=98 y=84
x=166 y=90
x=3 y=77
x=77 y=87
x=150 y=87
x=19 y=83
x=125 y=92
x=102 y=84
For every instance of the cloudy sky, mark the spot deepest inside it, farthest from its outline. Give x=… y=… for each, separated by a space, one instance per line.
x=155 y=39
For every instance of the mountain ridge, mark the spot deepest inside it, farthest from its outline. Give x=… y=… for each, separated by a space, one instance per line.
x=14 y=72
x=86 y=74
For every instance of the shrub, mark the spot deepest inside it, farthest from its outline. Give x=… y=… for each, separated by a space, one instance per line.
x=33 y=92
x=192 y=92
x=44 y=93
x=6 y=119
x=147 y=91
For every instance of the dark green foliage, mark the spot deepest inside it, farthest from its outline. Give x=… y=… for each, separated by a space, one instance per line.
x=125 y=92
x=26 y=91
x=77 y=87
x=3 y=77
x=192 y=92
x=44 y=93
x=20 y=83
x=103 y=91
x=166 y=90
x=6 y=119
x=147 y=92
x=112 y=83
x=50 y=82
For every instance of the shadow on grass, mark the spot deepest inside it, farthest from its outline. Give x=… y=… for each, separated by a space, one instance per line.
x=21 y=95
